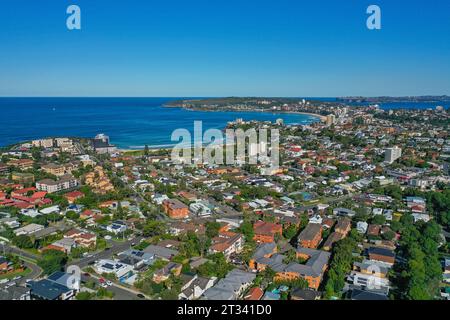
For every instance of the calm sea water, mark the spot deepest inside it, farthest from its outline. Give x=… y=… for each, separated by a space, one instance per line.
x=130 y=122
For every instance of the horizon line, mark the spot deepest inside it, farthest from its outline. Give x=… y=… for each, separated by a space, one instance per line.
x=238 y=96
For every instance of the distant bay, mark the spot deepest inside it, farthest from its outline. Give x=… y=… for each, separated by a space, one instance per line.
x=131 y=123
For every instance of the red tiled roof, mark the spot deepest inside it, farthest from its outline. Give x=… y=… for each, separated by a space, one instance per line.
x=262 y=227
x=24 y=191
x=254 y=294
x=74 y=194
x=39 y=195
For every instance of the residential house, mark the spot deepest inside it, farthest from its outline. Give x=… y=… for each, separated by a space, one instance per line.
x=137 y=258
x=82 y=238
x=361 y=226
x=15 y=293
x=254 y=294
x=172 y=268
x=231 y=287
x=312 y=270
x=57 y=169
x=331 y=240
x=57 y=286
x=304 y=294
x=161 y=252
x=29 y=229
x=51 y=186
x=73 y=196
x=121 y=270
x=311 y=236
x=343 y=226
x=22 y=164
x=64 y=245
x=117 y=227
x=381 y=254
x=175 y=209
x=200 y=208
x=22 y=177
x=196 y=288
x=265 y=231
x=228 y=243
x=179 y=228
x=263 y=251
x=343 y=212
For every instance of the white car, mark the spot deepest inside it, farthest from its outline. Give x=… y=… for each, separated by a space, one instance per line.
x=109 y=283
x=104 y=285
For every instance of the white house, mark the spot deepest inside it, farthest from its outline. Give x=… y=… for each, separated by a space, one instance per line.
x=159 y=198
x=316 y=219
x=32 y=213
x=120 y=269
x=116 y=228
x=231 y=287
x=362 y=226
x=28 y=229
x=200 y=208
x=194 y=289
x=49 y=210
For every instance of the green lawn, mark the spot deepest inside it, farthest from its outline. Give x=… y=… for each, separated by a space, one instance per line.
x=15 y=274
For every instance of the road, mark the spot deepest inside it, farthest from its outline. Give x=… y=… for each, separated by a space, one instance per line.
x=116 y=248
x=120 y=292
x=36 y=271
x=19 y=252
x=328 y=200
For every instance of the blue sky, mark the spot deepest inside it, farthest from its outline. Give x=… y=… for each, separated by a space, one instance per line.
x=223 y=48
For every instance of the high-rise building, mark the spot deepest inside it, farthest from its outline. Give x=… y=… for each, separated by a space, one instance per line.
x=331 y=119
x=392 y=154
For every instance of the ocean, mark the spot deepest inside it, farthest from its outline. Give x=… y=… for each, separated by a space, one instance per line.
x=131 y=123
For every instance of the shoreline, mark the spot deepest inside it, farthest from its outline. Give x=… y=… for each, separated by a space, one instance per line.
x=320 y=117
x=122 y=149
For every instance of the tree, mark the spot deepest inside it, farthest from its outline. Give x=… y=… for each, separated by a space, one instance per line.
x=52 y=261
x=36 y=153
x=379 y=219
x=419 y=243
x=23 y=242
x=341 y=263
x=212 y=229
x=290 y=232
x=154 y=228
x=388 y=235
x=72 y=215
x=246 y=229
x=103 y=293
x=85 y=296
x=216 y=267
